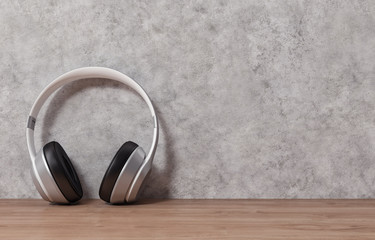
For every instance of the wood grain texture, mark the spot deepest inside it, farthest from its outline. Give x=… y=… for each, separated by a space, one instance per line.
x=190 y=219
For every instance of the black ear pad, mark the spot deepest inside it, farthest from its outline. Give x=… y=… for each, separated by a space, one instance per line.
x=114 y=170
x=63 y=171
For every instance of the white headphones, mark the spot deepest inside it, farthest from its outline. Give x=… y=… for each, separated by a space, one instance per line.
x=54 y=175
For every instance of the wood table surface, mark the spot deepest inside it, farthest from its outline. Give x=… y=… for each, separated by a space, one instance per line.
x=189 y=219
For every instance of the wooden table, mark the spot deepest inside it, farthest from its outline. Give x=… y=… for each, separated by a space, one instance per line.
x=189 y=219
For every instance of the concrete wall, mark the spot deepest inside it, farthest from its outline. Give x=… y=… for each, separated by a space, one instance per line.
x=257 y=99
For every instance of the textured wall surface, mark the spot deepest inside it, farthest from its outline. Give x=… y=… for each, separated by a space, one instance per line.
x=257 y=99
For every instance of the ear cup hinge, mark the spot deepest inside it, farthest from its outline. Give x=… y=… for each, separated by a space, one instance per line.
x=31 y=122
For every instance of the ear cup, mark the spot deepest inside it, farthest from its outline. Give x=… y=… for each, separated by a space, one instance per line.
x=63 y=171
x=114 y=170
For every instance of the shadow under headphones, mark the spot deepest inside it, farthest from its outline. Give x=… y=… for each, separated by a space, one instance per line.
x=53 y=173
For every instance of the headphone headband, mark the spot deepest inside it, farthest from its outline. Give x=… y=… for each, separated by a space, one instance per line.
x=84 y=73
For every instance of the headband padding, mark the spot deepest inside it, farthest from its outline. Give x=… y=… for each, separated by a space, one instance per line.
x=63 y=171
x=114 y=170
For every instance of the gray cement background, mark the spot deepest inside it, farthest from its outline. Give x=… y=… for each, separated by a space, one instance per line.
x=257 y=99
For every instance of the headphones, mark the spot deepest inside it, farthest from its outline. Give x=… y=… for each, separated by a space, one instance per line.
x=52 y=171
